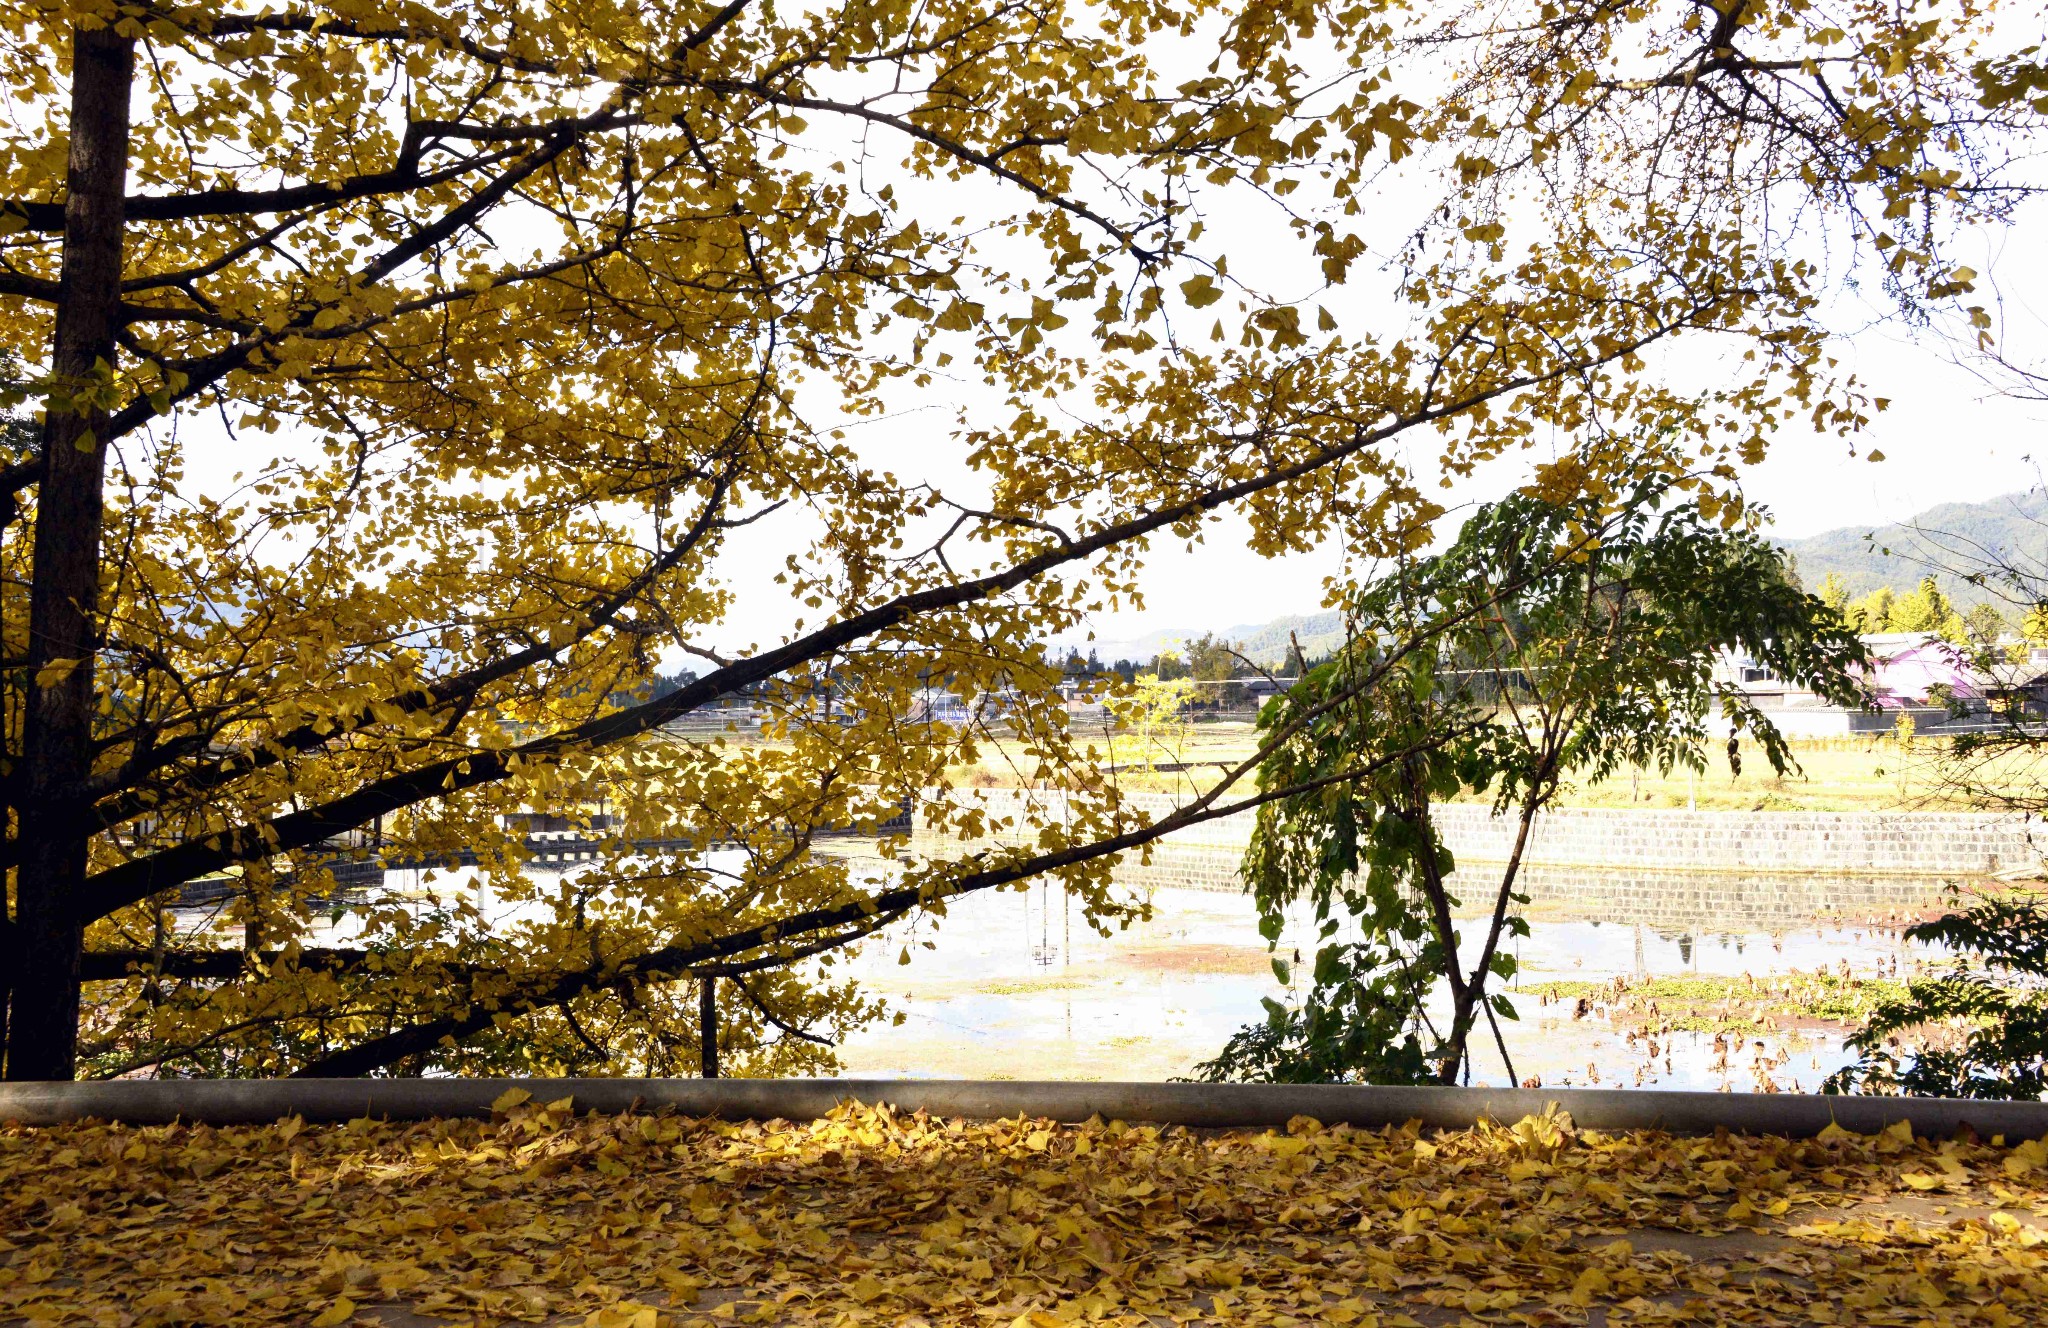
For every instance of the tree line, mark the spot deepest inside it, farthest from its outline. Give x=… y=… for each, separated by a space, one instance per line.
x=1925 y=608
x=1208 y=659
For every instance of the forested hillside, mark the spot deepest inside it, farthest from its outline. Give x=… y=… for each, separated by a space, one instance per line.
x=1939 y=542
x=1944 y=541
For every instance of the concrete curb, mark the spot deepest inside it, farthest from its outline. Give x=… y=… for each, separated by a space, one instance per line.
x=253 y=1101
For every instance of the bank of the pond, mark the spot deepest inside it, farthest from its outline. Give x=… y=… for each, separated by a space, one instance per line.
x=1015 y=985
x=1916 y=846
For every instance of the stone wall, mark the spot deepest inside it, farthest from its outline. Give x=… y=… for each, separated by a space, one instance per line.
x=1719 y=902
x=1843 y=843
x=1642 y=865
x=1663 y=899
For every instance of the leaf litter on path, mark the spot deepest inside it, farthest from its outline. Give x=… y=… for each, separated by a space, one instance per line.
x=874 y=1217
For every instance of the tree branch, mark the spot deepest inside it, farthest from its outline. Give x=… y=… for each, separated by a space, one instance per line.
x=219 y=965
x=595 y=615
x=679 y=960
x=118 y=887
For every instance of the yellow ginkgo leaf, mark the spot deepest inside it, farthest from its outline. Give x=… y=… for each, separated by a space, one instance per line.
x=339 y=1312
x=56 y=671
x=1200 y=291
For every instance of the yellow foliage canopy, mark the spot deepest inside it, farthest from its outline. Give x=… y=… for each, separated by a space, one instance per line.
x=443 y=350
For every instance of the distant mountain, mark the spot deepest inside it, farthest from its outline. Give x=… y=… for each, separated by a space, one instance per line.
x=2014 y=527
x=1319 y=634
x=1950 y=536
x=1263 y=643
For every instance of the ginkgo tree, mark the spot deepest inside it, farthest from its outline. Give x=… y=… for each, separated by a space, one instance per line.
x=400 y=373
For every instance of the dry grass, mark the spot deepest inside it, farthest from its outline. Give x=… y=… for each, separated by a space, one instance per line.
x=1834 y=774
x=1199 y=958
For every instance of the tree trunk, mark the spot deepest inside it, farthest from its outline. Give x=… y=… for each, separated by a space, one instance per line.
x=707 y=1025
x=1439 y=900
x=54 y=822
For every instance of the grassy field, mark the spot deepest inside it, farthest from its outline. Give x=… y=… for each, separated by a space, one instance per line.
x=1838 y=774
x=1864 y=773
x=1719 y=1003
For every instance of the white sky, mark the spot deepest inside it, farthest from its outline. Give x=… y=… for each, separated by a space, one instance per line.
x=1948 y=436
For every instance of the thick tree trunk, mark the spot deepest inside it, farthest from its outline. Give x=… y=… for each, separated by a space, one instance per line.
x=707 y=1025
x=54 y=825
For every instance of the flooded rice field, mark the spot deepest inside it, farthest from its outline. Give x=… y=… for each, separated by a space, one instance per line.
x=1016 y=986
x=1708 y=982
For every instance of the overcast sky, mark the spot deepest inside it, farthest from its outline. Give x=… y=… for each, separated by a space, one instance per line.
x=1948 y=435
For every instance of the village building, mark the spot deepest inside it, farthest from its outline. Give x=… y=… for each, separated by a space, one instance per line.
x=1917 y=676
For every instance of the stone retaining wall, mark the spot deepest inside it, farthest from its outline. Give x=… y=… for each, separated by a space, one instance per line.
x=1662 y=899
x=1636 y=864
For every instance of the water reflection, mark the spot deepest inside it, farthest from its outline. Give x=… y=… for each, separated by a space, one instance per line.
x=1018 y=986
x=1015 y=989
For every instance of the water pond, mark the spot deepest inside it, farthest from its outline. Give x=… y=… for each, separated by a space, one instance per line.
x=1750 y=987
x=1015 y=986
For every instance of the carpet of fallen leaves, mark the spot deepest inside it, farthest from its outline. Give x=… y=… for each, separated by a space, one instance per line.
x=640 y=1221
